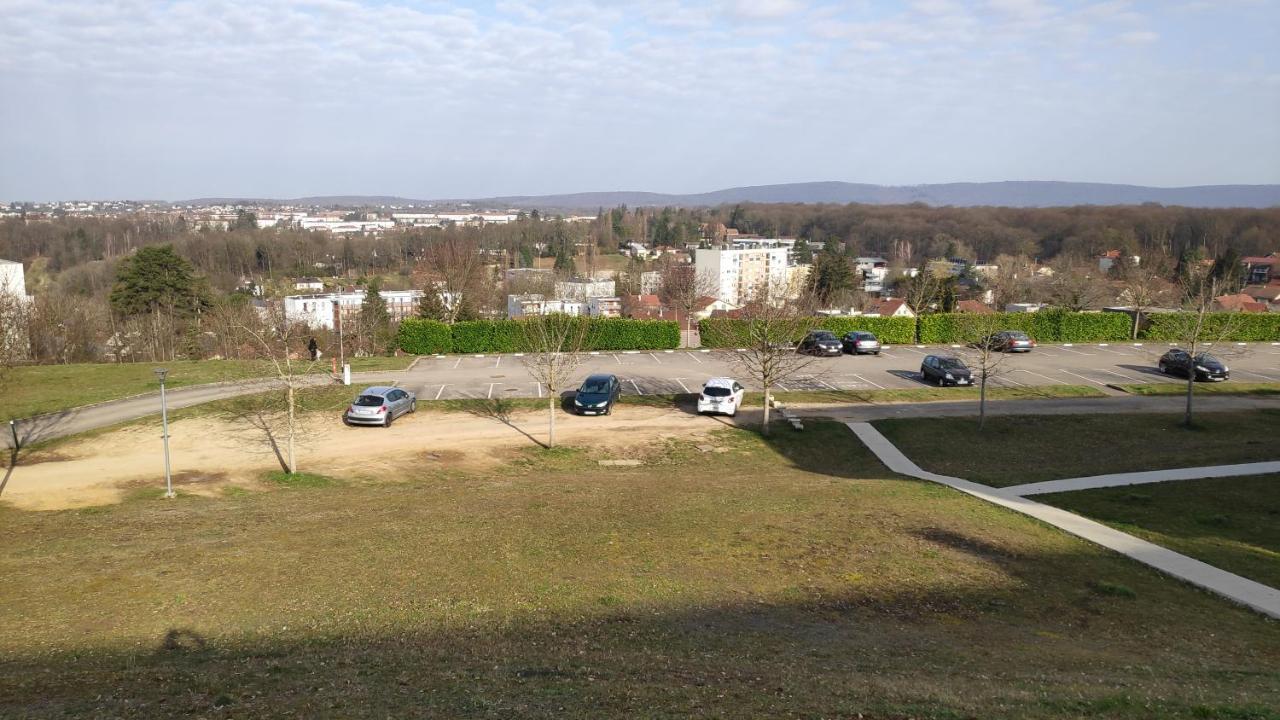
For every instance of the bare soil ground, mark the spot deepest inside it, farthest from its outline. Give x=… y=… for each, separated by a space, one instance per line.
x=208 y=454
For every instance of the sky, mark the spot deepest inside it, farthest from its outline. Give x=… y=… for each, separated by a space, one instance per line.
x=254 y=98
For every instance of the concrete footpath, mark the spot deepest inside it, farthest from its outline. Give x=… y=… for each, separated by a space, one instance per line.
x=1244 y=591
x=1141 y=478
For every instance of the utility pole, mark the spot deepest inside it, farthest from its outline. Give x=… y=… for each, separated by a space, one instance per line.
x=164 y=420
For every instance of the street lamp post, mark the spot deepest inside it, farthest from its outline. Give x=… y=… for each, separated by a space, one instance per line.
x=164 y=420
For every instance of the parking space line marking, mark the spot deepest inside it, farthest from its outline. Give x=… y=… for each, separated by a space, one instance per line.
x=456 y=363
x=686 y=387
x=782 y=387
x=1046 y=377
x=497 y=362
x=1078 y=352
x=915 y=351
x=829 y=385
x=867 y=381
x=539 y=386
x=1006 y=379
x=668 y=351
x=637 y=387
x=705 y=351
x=1126 y=377
x=1095 y=382
x=695 y=357
x=440 y=391
x=489 y=395
x=655 y=358
x=615 y=357
x=886 y=354
x=1251 y=372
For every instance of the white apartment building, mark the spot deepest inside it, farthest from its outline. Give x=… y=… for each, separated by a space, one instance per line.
x=12 y=279
x=604 y=307
x=440 y=219
x=534 y=304
x=321 y=310
x=874 y=270
x=740 y=271
x=650 y=282
x=583 y=288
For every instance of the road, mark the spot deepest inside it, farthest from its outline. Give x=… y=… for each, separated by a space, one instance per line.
x=680 y=371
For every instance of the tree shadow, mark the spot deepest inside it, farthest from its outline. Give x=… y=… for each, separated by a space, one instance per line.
x=500 y=410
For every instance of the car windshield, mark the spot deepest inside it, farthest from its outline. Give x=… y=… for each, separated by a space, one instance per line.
x=823 y=336
x=950 y=364
x=866 y=336
x=594 y=386
x=1207 y=359
x=716 y=391
x=369 y=400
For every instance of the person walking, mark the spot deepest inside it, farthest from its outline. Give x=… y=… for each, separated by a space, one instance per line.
x=314 y=348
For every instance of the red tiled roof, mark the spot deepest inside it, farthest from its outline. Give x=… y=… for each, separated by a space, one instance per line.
x=973 y=306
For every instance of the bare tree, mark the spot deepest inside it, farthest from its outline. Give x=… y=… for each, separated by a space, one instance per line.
x=1197 y=327
x=682 y=287
x=553 y=345
x=985 y=358
x=767 y=354
x=453 y=277
x=273 y=409
x=1143 y=289
x=1077 y=287
x=14 y=344
x=920 y=293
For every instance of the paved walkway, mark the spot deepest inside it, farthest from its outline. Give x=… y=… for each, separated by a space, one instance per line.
x=1255 y=595
x=865 y=412
x=1141 y=478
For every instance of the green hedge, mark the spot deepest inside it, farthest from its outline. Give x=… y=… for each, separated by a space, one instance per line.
x=724 y=332
x=1051 y=325
x=1235 y=327
x=420 y=336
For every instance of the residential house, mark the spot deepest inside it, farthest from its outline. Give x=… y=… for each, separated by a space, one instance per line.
x=325 y=310
x=534 y=304
x=308 y=284
x=1024 y=307
x=1108 y=259
x=975 y=307
x=1239 y=302
x=708 y=306
x=888 y=307
x=1261 y=270
x=1268 y=294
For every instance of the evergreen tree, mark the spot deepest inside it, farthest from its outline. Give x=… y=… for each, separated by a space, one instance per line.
x=156 y=278
x=375 y=320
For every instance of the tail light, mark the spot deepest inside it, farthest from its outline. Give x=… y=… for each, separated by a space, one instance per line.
x=382 y=408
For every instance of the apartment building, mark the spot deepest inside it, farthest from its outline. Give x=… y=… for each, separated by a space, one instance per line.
x=583 y=288
x=738 y=272
x=321 y=310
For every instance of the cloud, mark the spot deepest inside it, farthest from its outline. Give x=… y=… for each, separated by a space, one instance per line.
x=764 y=9
x=1139 y=37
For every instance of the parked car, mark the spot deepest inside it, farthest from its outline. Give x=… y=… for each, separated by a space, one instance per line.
x=860 y=342
x=820 y=342
x=945 y=370
x=1009 y=341
x=1205 y=367
x=380 y=405
x=597 y=395
x=721 y=395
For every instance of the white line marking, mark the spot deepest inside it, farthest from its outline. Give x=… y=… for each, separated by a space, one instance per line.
x=1126 y=377
x=439 y=357
x=630 y=352
x=497 y=362
x=539 y=386
x=440 y=392
x=637 y=387
x=668 y=351
x=1008 y=380
x=782 y=387
x=867 y=381
x=1068 y=344
x=456 y=363
x=1095 y=382
x=695 y=357
x=829 y=385
x=655 y=358
x=519 y=354
x=478 y=356
x=887 y=354
x=489 y=396
x=1251 y=372
x=915 y=351
x=686 y=387
x=707 y=351
x=1102 y=344
x=1078 y=352
x=595 y=352
x=615 y=357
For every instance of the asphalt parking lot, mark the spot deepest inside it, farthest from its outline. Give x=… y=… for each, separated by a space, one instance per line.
x=680 y=371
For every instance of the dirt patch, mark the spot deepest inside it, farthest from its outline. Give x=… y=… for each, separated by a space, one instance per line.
x=209 y=453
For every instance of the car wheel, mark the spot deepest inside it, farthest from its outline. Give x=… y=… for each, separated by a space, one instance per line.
x=345 y=421
x=387 y=422
x=942 y=382
x=1164 y=369
x=413 y=406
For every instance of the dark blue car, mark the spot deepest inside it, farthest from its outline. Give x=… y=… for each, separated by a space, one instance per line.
x=597 y=395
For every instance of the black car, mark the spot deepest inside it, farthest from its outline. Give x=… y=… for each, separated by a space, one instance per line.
x=1008 y=341
x=861 y=342
x=597 y=395
x=945 y=370
x=1205 y=367
x=820 y=342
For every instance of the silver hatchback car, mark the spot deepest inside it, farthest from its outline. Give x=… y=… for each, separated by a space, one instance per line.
x=380 y=405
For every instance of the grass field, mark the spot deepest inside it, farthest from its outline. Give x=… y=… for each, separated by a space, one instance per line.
x=1233 y=523
x=789 y=577
x=1227 y=388
x=1020 y=449
x=35 y=389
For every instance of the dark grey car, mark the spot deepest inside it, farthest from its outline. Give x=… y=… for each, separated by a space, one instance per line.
x=945 y=370
x=380 y=405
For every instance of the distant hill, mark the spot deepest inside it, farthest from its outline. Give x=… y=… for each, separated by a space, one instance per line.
x=1019 y=193
x=1003 y=194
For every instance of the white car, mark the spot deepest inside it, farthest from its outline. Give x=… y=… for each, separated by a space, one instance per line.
x=721 y=395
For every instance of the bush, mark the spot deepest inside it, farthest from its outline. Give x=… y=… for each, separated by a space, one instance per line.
x=419 y=336
x=722 y=332
x=506 y=336
x=1052 y=325
x=1235 y=327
